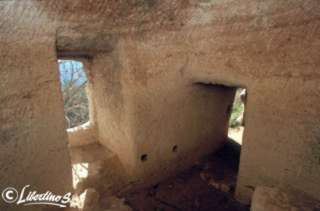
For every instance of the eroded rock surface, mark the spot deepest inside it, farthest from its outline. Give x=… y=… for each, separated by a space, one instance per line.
x=274 y=199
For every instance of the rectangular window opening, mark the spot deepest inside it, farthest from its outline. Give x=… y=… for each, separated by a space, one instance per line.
x=73 y=87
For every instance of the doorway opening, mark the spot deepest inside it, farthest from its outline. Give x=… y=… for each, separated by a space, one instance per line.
x=73 y=86
x=73 y=80
x=211 y=183
x=237 y=116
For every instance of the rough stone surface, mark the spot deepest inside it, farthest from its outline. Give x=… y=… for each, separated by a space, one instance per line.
x=82 y=135
x=274 y=199
x=140 y=116
x=91 y=200
x=145 y=58
x=33 y=139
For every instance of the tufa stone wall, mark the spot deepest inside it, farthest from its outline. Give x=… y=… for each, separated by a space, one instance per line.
x=146 y=57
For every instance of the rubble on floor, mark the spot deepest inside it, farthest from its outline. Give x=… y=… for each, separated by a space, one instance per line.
x=207 y=186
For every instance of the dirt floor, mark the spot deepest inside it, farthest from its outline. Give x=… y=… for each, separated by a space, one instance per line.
x=207 y=186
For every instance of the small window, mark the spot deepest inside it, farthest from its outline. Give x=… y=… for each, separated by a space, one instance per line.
x=73 y=86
